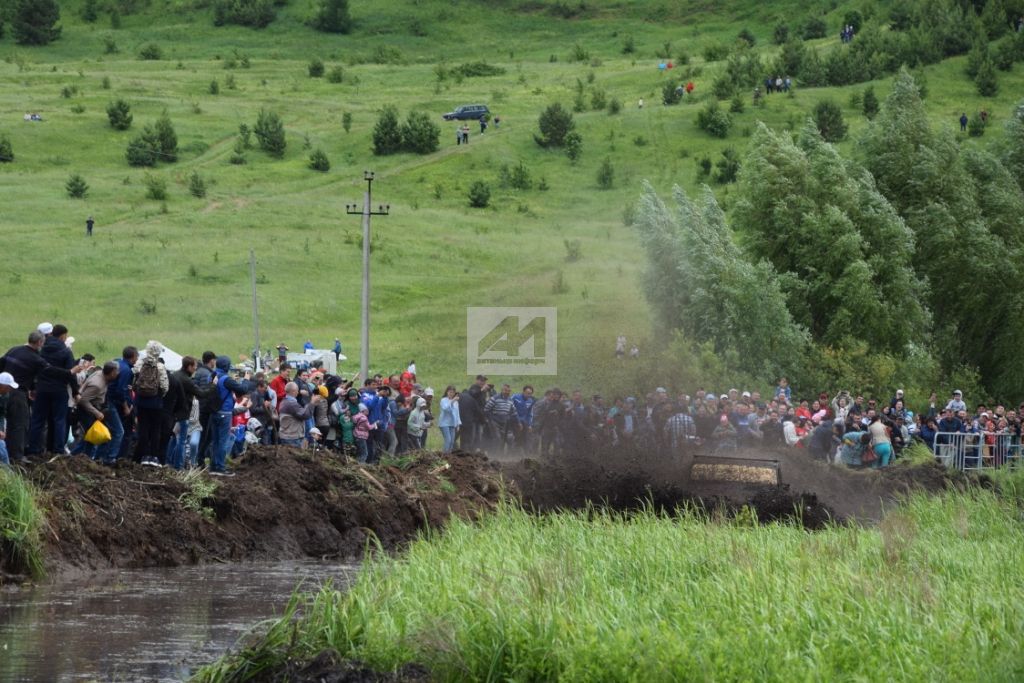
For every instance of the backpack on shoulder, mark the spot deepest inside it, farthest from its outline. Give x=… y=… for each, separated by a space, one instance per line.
x=147 y=382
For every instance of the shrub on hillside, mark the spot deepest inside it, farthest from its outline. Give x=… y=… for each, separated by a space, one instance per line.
x=728 y=167
x=336 y=75
x=150 y=52
x=555 y=124
x=269 y=131
x=420 y=134
x=614 y=106
x=318 y=161
x=333 y=17
x=747 y=37
x=156 y=187
x=976 y=127
x=517 y=177
x=315 y=68
x=714 y=53
x=252 y=13
x=34 y=22
x=76 y=186
x=671 y=93
x=144 y=149
x=573 y=146
x=986 y=81
x=196 y=185
x=387 y=134
x=475 y=69
x=713 y=120
x=479 y=194
x=781 y=34
x=119 y=113
x=606 y=175
x=828 y=117
x=154 y=144
x=6 y=150
x=814 y=28
x=869 y=103
x=166 y=138
x=598 y=99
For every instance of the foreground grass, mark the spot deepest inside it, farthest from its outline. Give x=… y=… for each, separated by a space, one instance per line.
x=21 y=524
x=933 y=593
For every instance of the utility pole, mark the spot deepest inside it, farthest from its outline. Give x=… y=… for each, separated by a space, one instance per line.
x=255 y=310
x=366 y=212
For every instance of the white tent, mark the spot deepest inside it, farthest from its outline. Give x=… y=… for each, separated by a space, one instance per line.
x=172 y=359
x=323 y=356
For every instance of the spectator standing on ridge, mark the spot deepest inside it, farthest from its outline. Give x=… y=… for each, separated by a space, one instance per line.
x=183 y=415
x=337 y=350
x=89 y=222
x=523 y=402
x=50 y=405
x=963 y=122
x=282 y=355
x=449 y=422
x=151 y=385
x=221 y=437
x=25 y=365
x=7 y=385
x=204 y=376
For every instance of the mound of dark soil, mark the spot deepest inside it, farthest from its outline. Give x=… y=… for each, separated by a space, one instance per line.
x=283 y=503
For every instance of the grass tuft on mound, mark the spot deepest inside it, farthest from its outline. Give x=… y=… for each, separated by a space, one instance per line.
x=930 y=594
x=21 y=524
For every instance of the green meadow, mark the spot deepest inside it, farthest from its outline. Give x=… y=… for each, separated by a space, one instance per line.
x=592 y=595
x=178 y=270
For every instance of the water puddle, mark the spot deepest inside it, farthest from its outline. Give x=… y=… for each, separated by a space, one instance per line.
x=144 y=625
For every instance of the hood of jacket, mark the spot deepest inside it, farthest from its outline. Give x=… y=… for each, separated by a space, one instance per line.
x=223 y=363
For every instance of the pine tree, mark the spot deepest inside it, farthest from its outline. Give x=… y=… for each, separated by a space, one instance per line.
x=34 y=22
x=869 y=103
x=387 y=136
x=986 y=81
x=269 y=132
x=167 y=138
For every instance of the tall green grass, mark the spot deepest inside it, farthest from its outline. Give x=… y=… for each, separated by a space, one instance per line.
x=935 y=592
x=21 y=524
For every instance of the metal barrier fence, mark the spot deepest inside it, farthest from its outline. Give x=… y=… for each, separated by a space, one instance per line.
x=977 y=451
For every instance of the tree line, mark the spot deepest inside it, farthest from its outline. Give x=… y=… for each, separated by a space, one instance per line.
x=906 y=259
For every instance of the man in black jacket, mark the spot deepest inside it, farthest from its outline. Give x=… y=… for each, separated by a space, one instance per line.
x=26 y=365
x=204 y=376
x=50 y=404
x=189 y=391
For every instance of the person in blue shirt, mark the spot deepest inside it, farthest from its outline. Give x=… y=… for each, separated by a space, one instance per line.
x=308 y=346
x=337 y=350
x=119 y=407
x=523 y=402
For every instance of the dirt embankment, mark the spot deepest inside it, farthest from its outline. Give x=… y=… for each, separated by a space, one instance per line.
x=283 y=503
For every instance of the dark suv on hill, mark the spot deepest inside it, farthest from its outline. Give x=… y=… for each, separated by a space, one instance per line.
x=468 y=112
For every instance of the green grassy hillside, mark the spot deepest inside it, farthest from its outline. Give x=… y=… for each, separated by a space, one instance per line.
x=178 y=270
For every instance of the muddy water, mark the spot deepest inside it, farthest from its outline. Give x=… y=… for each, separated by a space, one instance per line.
x=143 y=625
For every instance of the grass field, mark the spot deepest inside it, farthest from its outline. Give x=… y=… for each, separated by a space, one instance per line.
x=594 y=596
x=178 y=270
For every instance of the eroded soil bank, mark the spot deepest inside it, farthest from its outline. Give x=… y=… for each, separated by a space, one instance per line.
x=283 y=503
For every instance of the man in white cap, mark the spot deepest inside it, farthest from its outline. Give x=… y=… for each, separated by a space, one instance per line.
x=46 y=328
x=7 y=385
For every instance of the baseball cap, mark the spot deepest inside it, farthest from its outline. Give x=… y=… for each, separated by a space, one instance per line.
x=746 y=394
x=316 y=431
x=45 y=328
x=428 y=392
x=957 y=392
x=7 y=379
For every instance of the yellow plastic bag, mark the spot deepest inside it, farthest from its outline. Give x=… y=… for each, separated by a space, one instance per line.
x=98 y=434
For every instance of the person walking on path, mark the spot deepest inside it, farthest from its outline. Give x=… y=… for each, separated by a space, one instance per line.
x=89 y=222
x=963 y=122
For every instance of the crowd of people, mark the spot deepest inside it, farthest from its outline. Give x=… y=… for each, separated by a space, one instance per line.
x=208 y=411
